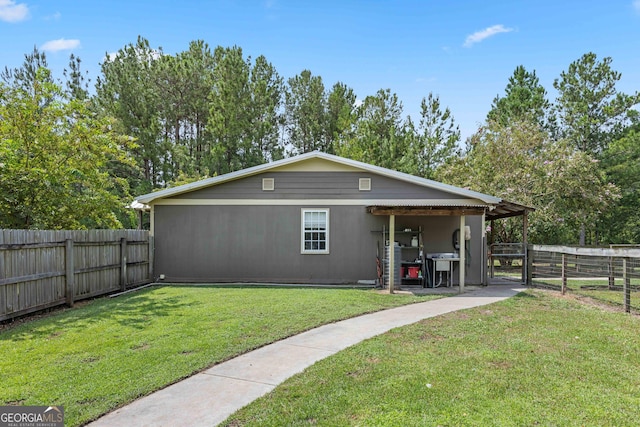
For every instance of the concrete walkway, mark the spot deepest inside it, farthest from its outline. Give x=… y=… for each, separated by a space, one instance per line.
x=209 y=397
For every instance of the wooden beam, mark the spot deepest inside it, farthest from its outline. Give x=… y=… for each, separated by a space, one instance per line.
x=424 y=211
x=495 y=216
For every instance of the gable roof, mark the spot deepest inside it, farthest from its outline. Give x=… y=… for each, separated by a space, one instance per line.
x=499 y=208
x=292 y=161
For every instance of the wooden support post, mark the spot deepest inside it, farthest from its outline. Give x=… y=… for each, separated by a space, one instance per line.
x=525 y=242
x=484 y=271
x=626 y=274
x=123 y=264
x=462 y=255
x=392 y=252
x=70 y=276
x=564 y=274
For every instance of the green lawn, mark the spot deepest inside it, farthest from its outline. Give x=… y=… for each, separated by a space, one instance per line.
x=111 y=351
x=535 y=359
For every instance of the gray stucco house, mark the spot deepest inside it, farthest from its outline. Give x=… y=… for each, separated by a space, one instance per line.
x=319 y=218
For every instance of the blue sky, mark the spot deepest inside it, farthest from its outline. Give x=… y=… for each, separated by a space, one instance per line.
x=462 y=51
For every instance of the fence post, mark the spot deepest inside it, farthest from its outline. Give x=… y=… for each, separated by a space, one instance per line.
x=564 y=273
x=150 y=258
x=612 y=280
x=529 y=256
x=626 y=274
x=123 y=264
x=69 y=280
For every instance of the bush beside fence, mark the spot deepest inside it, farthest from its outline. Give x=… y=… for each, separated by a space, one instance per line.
x=40 y=269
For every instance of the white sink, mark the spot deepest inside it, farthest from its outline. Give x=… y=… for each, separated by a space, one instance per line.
x=443 y=255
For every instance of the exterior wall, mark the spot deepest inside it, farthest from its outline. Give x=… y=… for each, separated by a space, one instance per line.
x=261 y=242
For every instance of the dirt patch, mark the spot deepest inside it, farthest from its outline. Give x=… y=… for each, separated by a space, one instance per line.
x=431 y=337
x=56 y=334
x=143 y=346
x=501 y=365
x=585 y=300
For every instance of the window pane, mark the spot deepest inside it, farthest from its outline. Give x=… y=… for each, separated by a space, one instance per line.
x=315 y=225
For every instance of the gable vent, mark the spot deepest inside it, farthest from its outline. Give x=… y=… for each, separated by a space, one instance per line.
x=364 y=184
x=268 y=184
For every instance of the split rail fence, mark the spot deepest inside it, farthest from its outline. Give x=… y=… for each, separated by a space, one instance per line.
x=43 y=269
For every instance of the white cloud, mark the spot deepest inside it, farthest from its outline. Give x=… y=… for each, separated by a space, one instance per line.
x=636 y=5
x=479 y=36
x=60 y=44
x=12 y=12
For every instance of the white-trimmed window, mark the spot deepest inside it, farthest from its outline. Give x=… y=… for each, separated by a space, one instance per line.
x=315 y=231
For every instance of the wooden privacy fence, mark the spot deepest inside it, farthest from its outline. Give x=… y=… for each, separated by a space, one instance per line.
x=608 y=274
x=43 y=269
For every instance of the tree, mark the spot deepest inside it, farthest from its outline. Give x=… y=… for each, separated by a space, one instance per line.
x=230 y=111
x=267 y=88
x=435 y=138
x=305 y=113
x=341 y=116
x=525 y=100
x=128 y=93
x=54 y=158
x=621 y=161
x=77 y=85
x=25 y=76
x=186 y=82
x=197 y=65
x=590 y=110
x=521 y=163
x=380 y=134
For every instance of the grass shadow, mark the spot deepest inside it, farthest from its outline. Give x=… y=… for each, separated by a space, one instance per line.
x=134 y=310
